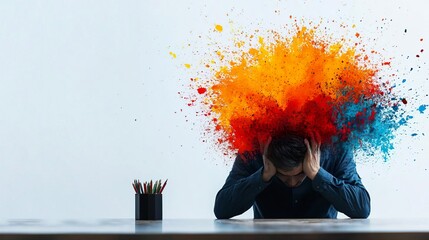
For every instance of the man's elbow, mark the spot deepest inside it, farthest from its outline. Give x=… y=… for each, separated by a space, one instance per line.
x=219 y=213
x=363 y=212
x=366 y=211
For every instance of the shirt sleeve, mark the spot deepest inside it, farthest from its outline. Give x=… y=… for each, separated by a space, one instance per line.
x=344 y=188
x=239 y=191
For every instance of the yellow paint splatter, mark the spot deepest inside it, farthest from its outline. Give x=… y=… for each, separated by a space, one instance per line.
x=220 y=55
x=173 y=54
x=239 y=44
x=187 y=65
x=218 y=28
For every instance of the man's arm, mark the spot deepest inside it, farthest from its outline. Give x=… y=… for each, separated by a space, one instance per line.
x=344 y=188
x=239 y=191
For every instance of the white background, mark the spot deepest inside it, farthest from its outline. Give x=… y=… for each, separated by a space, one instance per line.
x=88 y=102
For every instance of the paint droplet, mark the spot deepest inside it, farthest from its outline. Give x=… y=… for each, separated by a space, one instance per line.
x=173 y=54
x=386 y=63
x=404 y=80
x=201 y=90
x=421 y=50
x=218 y=28
x=421 y=39
x=422 y=108
x=187 y=65
x=405 y=31
x=404 y=101
x=357 y=34
x=414 y=134
x=417 y=55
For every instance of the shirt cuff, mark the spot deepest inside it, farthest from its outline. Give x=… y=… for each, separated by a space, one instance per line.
x=322 y=180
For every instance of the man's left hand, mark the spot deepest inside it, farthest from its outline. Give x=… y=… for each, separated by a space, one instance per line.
x=311 y=164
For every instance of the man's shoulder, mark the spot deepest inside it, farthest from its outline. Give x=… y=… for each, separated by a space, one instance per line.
x=336 y=148
x=332 y=153
x=249 y=160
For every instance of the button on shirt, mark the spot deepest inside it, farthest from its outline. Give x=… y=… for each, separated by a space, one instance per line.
x=336 y=187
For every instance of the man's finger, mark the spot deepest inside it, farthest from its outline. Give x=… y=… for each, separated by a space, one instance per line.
x=264 y=141
x=318 y=138
x=267 y=143
x=308 y=146
x=261 y=144
x=313 y=142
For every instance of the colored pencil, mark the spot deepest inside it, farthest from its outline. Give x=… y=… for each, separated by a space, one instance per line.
x=163 y=186
x=155 y=186
x=159 y=186
x=140 y=187
x=152 y=187
x=135 y=189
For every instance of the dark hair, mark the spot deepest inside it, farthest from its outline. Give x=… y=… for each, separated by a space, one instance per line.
x=286 y=151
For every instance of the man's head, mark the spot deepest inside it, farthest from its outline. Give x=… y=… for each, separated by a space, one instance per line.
x=287 y=154
x=286 y=151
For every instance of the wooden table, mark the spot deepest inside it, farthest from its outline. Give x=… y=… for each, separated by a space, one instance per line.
x=215 y=229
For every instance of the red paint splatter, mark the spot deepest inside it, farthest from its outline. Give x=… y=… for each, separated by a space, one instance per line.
x=386 y=63
x=404 y=101
x=202 y=90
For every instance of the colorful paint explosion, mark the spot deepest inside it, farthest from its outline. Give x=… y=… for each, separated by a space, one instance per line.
x=303 y=83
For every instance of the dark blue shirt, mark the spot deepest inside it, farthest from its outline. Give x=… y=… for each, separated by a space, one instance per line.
x=336 y=187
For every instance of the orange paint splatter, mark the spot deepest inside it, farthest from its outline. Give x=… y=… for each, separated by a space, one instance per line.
x=218 y=28
x=270 y=87
x=272 y=84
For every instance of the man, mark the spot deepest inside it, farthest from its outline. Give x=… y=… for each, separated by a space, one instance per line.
x=294 y=178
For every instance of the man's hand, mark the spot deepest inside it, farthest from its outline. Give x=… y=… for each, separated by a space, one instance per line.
x=269 y=168
x=311 y=163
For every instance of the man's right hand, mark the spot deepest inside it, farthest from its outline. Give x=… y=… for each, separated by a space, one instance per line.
x=269 y=168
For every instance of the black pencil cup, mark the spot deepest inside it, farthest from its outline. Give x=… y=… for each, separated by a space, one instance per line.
x=148 y=206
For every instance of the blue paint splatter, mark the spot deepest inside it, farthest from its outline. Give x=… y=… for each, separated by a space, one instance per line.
x=404 y=80
x=372 y=123
x=414 y=134
x=422 y=108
